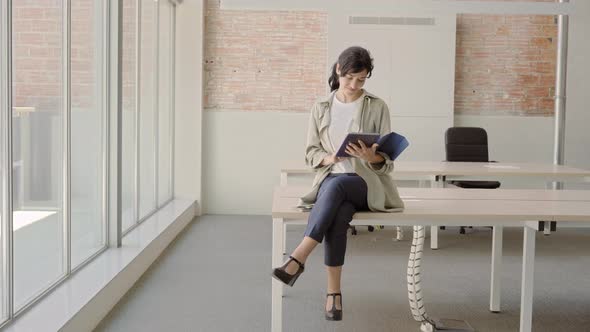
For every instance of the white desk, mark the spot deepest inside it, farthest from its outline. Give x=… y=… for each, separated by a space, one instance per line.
x=447 y=207
x=296 y=191
x=409 y=194
x=436 y=170
x=444 y=168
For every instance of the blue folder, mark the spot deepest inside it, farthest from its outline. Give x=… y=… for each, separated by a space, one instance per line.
x=392 y=144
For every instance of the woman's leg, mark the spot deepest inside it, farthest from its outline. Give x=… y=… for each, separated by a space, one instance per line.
x=301 y=253
x=334 y=277
x=334 y=252
x=332 y=193
x=327 y=201
x=336 y=238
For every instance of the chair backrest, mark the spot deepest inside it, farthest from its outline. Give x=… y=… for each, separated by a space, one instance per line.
x=466 y=144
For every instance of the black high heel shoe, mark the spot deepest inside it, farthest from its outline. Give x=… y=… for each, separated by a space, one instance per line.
x=334 y=314
x=281 y=274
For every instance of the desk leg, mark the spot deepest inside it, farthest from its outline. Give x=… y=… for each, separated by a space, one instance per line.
x=278 y=226
x=435 y=183
x=528 y=270
x=433 y=237
x=496 y=269
x=283 y=179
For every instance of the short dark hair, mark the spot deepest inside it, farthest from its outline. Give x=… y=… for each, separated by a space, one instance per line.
x=352 y=60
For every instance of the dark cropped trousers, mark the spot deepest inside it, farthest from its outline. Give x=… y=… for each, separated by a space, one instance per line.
x=339 y=197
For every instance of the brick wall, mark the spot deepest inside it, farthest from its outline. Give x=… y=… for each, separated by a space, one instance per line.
x=37 y=54
x=262 y=60
x=505 y=65
x=84 y=51
x=276 y=61
x=37 y=48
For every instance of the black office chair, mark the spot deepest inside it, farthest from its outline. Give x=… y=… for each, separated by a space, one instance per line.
x=468 y=144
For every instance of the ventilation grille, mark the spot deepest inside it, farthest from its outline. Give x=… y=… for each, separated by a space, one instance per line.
x=374 y=20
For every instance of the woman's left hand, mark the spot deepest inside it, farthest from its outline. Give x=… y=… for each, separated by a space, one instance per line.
x=364 y=152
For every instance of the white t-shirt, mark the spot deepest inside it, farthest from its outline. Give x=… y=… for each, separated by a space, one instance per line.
x=341 y=115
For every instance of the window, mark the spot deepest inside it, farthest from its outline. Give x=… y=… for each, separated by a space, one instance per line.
x=148 y=98
x=148 y=108
x=58 y=141
x=129 y=102
x=38 y=138
x=54 y=134
x=88 y=145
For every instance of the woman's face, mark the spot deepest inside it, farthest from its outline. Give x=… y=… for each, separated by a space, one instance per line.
x=351 y=84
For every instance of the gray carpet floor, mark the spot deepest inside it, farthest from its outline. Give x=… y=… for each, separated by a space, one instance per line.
x=216 y=277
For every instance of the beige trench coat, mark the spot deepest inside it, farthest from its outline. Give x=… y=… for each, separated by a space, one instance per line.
x=371 y=117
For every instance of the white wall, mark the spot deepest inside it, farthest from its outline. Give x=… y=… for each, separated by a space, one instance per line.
x=242 y=157
x=189 y=96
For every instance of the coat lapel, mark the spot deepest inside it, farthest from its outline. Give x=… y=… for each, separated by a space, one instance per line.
x=355 y=124
x=325 y=118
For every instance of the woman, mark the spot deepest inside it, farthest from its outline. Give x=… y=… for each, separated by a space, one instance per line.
x=342 y=186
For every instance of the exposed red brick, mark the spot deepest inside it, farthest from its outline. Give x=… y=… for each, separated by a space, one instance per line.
x=541 y=42
x=521 y=64
x=504 y=64
x=264 y=60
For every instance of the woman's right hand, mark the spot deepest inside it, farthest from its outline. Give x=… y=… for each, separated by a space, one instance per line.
x=331 y=159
